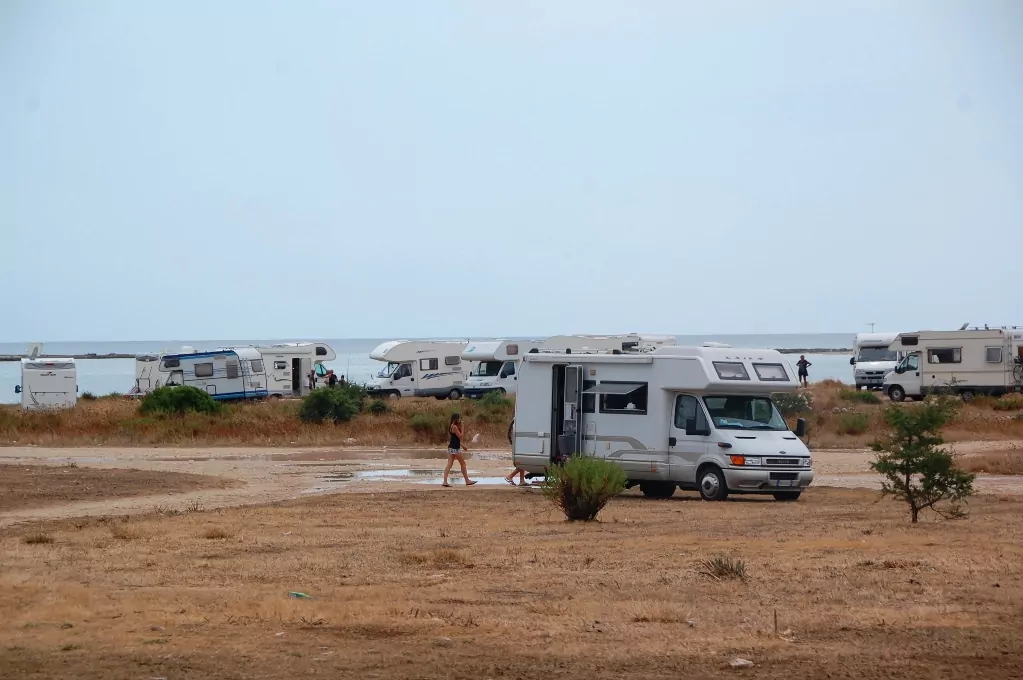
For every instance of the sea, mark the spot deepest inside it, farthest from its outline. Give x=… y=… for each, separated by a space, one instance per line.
x=107 y=376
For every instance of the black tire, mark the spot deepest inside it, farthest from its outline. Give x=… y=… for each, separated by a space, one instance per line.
x=658 y=489
x=788 y=496
x=394 y=394
x=511 y=433
x=967 y=396
x=712 y=484
x=455 y=394
x=896 y=393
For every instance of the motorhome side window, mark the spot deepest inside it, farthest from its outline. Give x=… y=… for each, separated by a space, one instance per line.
x=687 y=407
x=280 y=365
x=731 y=370
x=232 y=369
x=948 y=355
x=512 y=350
x=508 y=369
x=589 y=400
x=993 y=355
x=403 y=371
x=204 y=370
x=632 y=401
x=452 y=361
x=428 y=364
x=910 y=340
x=321 y=351
x=256 y=365
x=172 y=363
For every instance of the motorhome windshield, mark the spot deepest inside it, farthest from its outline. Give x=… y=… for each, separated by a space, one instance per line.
x=876 y=354
x=744 y=413
x=488 y=369
x=387 y=370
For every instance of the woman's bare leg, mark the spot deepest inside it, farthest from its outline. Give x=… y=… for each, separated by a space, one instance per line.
x=447 y=469
x=465 y=471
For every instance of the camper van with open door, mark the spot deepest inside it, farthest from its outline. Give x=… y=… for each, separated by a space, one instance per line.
x=288 y=366
x=694 y=418
x=419 y=368
x=966 y=362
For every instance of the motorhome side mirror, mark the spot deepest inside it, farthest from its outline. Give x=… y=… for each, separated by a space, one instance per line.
x=692 y=430
x=800 y=427
x=852 y=361
x=900 y=370
x=17 y=389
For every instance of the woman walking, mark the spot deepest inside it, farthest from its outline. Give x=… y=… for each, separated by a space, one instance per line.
x=455 y=448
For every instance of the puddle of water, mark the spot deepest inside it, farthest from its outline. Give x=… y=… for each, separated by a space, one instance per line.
x=406 y=454
x=486 y=481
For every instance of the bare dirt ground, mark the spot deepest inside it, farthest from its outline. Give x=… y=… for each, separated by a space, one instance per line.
x=34 y=486
x=491 y=583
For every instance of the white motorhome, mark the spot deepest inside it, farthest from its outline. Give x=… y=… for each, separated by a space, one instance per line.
x=695 y=418
x=48 y=383
x=873 y=358
x=967 y=362
x=419 y=368
x=288 y=366
x=226 y=374
x=499 y=359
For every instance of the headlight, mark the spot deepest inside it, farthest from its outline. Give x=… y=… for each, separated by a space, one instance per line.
x=743 y=460
x=807 y=462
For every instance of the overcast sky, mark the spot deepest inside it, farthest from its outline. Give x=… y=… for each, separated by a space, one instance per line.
x=263 y=169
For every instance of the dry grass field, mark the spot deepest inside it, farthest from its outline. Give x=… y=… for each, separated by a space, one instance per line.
x=837 y=421
x=485 y=583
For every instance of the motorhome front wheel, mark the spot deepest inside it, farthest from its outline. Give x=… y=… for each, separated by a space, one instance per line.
x=712 y=485
x=896 y=393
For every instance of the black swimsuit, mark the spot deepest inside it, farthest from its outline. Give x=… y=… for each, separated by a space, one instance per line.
x=454 y=443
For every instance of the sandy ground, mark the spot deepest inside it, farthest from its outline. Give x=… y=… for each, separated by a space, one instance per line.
x=269 y=475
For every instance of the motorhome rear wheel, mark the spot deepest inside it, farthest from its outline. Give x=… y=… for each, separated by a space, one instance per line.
x=455 y=394
x=967 y=395
x=658 y=489
x=787 y=496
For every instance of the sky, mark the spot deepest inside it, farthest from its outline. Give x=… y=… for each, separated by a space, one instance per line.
x=260 y=169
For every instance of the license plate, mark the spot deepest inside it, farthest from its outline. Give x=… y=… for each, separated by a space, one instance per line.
x=783 y=482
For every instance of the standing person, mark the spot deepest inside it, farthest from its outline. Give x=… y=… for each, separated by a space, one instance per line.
x=312 y=379
x=455 y=447
x=332 y=380
x=804 y=375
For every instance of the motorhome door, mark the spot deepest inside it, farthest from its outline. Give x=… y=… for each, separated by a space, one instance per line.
x=568 y=414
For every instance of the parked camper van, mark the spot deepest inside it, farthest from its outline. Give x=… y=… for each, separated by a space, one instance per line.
x=695 y=418
x=499 y=359
x=48 y=383
x=969 y=362
x=288 y=366
x=419 y=368
x=226 y=374
x=873 y=358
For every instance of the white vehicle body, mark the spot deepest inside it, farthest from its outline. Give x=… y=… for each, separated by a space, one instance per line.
x=967 y=362
x=874 y=358
x=696 y=418
x=226 y=374
x=288 y=366
x=419 y=368
x=499 y=359
x=48 y=383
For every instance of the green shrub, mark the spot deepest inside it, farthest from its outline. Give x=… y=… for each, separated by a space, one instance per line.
x=433 y=426
x=378 y=407
x=861 y=396
x=356 y=393
x=582 y=486
x=852 y=423
x=178 y=400
x=87 y=396
x=1010 y=402
x=496 y=401
x=328 y=405
x=793 y=403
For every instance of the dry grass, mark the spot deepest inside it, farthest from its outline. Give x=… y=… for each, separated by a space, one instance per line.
x=37 y=538
x=394 y=595
x=1009 y=462
x=216 y=533
x=271 y=423
x=126 y=532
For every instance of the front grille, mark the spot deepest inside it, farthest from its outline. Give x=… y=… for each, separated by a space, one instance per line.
x=783 y=462
x=791 y=476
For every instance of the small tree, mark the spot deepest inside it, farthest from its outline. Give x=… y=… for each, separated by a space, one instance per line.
x=915 y=467
x=335 y=406
x=582 y=486
x=178 y=400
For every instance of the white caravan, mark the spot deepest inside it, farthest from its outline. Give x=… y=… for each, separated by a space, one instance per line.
x=288 y=366
x=419 y=368
x=967 y=362
x=695 y=418
x=499 y=359
x=226 y=374
x=873 y=358
x=47 y=383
